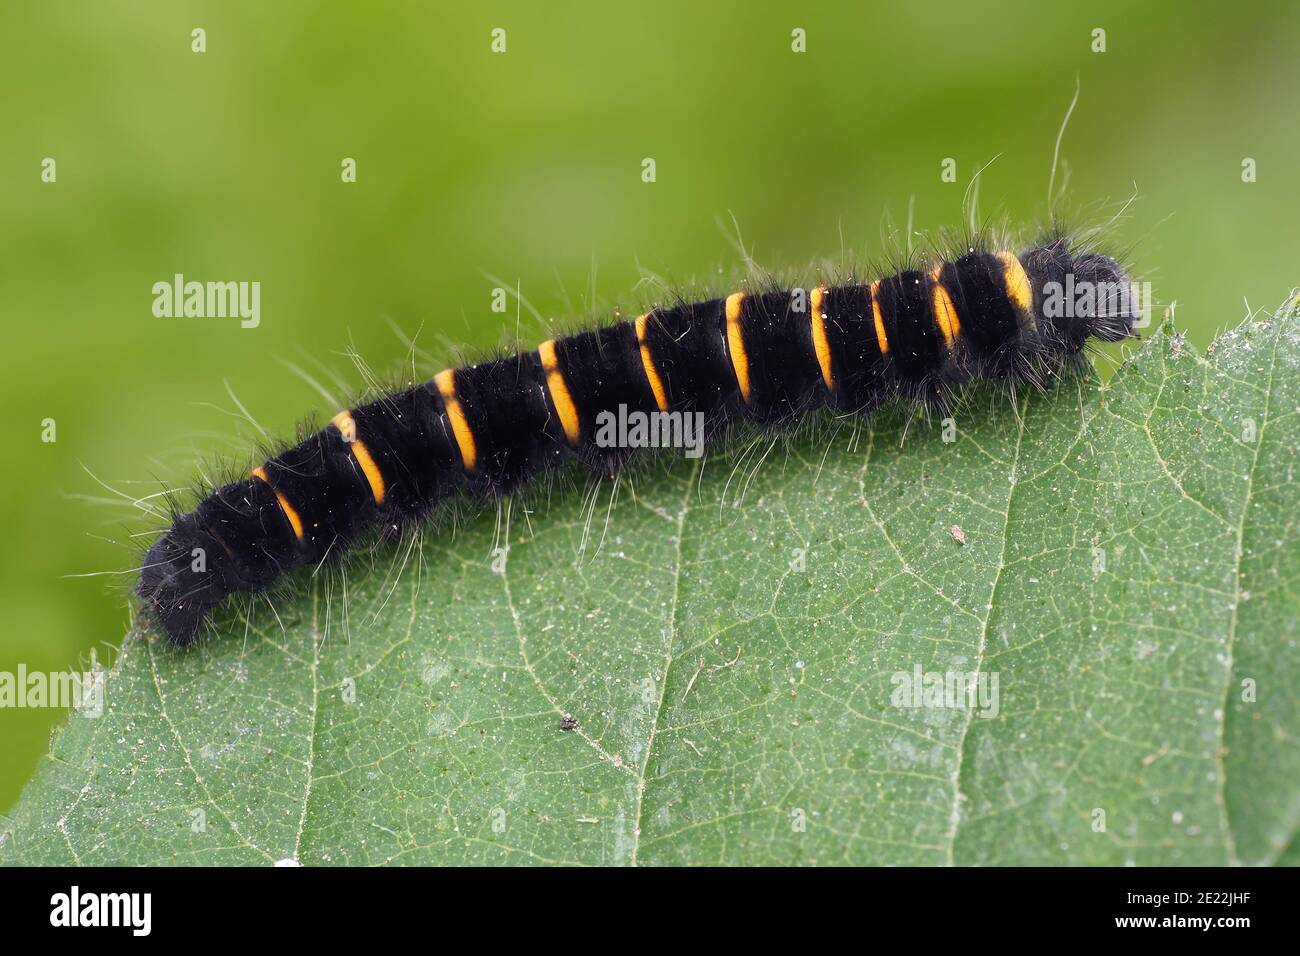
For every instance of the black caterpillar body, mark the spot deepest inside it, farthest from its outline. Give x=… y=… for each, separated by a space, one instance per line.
x=768 y=357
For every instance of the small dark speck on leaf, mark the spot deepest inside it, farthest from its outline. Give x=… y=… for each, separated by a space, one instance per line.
x=568 y=722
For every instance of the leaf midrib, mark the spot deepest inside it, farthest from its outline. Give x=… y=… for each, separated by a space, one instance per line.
x=1221 y=783
x=1013 y=481
x=683 y=510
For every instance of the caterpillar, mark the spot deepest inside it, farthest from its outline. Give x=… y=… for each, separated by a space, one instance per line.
x=766 y=356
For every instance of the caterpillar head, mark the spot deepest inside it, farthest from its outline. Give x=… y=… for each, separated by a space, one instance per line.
x=1089 y=295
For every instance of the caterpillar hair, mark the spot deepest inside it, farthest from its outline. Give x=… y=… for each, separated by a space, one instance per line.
x=766 y=356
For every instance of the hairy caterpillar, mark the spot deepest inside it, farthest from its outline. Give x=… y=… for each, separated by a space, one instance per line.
x=769 y=357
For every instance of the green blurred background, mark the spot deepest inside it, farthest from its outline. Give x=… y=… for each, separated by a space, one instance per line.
x=526 y=165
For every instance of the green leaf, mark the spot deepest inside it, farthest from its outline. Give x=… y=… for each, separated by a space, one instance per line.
x=728 y=637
